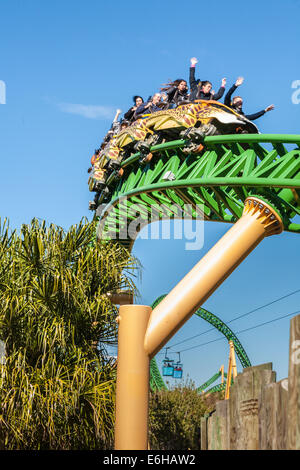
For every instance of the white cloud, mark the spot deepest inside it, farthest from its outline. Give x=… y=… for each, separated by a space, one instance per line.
x=88 y=111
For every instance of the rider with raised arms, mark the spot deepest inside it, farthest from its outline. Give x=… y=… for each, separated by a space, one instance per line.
x=237 y=102
x=202 y=90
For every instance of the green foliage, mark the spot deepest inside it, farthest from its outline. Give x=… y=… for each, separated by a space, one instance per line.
x=175 y=417
x=57 y=382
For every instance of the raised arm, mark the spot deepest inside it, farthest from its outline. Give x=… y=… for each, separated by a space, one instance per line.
x=254 y=116
x=129 y=114
x=193 y=81
x=142 y=108
x=118 y=112
x=238 y=82
x=221 y=90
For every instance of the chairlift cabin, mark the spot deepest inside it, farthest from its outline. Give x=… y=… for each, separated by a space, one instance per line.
x=177 y=373
x=168 y=368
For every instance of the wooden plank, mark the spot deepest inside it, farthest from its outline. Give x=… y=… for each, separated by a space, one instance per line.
x=255 y=417
x=265 y=366
x=281 y=415
x=203 y=433
x=273 y=425
x=222 y=437
x=214 y=432
x=211 y=432
x=248 y=410
x=294 y=386
x=250 y=387
x=233 y=415
x=266 y=417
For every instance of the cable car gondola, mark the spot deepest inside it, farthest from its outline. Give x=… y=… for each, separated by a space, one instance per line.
x=177 y=372
x=168 y=368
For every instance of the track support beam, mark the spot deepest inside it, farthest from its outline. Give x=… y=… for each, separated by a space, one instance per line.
x=132 y=393
x=259 y=220
x=142 y=333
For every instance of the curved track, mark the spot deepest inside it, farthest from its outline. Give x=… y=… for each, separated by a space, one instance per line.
x=218 y=180
x=211 y=381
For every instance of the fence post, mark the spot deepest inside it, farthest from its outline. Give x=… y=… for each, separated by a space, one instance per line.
x=294 y=386
x=233 y=415
x=273 y=416
x=222 y=425
x=244 y=421
x=203 y=433
x=211 y=424
x=282 y=416
x=267 y=425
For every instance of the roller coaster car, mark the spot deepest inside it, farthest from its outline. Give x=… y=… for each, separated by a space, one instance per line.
x=98 y=174
x=190 y=121
x=193 y=121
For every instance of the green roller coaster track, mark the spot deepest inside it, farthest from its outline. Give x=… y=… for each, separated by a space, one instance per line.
x=229 y=169
x=156 y=381
x=210 y=381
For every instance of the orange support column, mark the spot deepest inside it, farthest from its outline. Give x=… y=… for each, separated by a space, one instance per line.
x=132 y=394
x=222 y=372
x=232 y=371
x=142 y=335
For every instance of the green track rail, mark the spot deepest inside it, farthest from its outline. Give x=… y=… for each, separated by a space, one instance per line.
x=229 y=169
x=210 y=381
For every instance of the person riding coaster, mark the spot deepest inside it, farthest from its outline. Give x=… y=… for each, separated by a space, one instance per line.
x=193 y=121
x=190 y=122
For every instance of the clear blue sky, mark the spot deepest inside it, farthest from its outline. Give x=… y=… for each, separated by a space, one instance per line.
x=68 y=66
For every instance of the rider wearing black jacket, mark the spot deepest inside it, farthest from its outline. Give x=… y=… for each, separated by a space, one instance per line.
x=129 y=115
x=150 y=107
x=176 y=92
x=237 y=102
x=201 y=90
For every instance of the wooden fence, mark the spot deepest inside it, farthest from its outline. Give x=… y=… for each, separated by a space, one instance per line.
x=260 y=414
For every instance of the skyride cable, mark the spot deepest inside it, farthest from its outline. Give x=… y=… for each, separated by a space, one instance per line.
x=241 y=331
x=237 y=318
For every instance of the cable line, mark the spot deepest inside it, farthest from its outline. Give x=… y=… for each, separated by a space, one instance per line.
x=243 y=331
x=237 y=318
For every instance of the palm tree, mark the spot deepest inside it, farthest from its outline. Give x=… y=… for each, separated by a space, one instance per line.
x=56 y=320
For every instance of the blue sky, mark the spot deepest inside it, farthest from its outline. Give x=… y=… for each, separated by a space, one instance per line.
x=68 y=66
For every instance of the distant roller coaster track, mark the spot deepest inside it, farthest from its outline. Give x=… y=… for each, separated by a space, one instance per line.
x=156 y=381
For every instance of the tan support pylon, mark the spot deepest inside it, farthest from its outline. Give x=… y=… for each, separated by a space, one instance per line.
x=258 y=221
x=132 y=393
x=222 y=373
x=228 y=380
x=138 y=342
x=232 y=370
x=232 y=352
